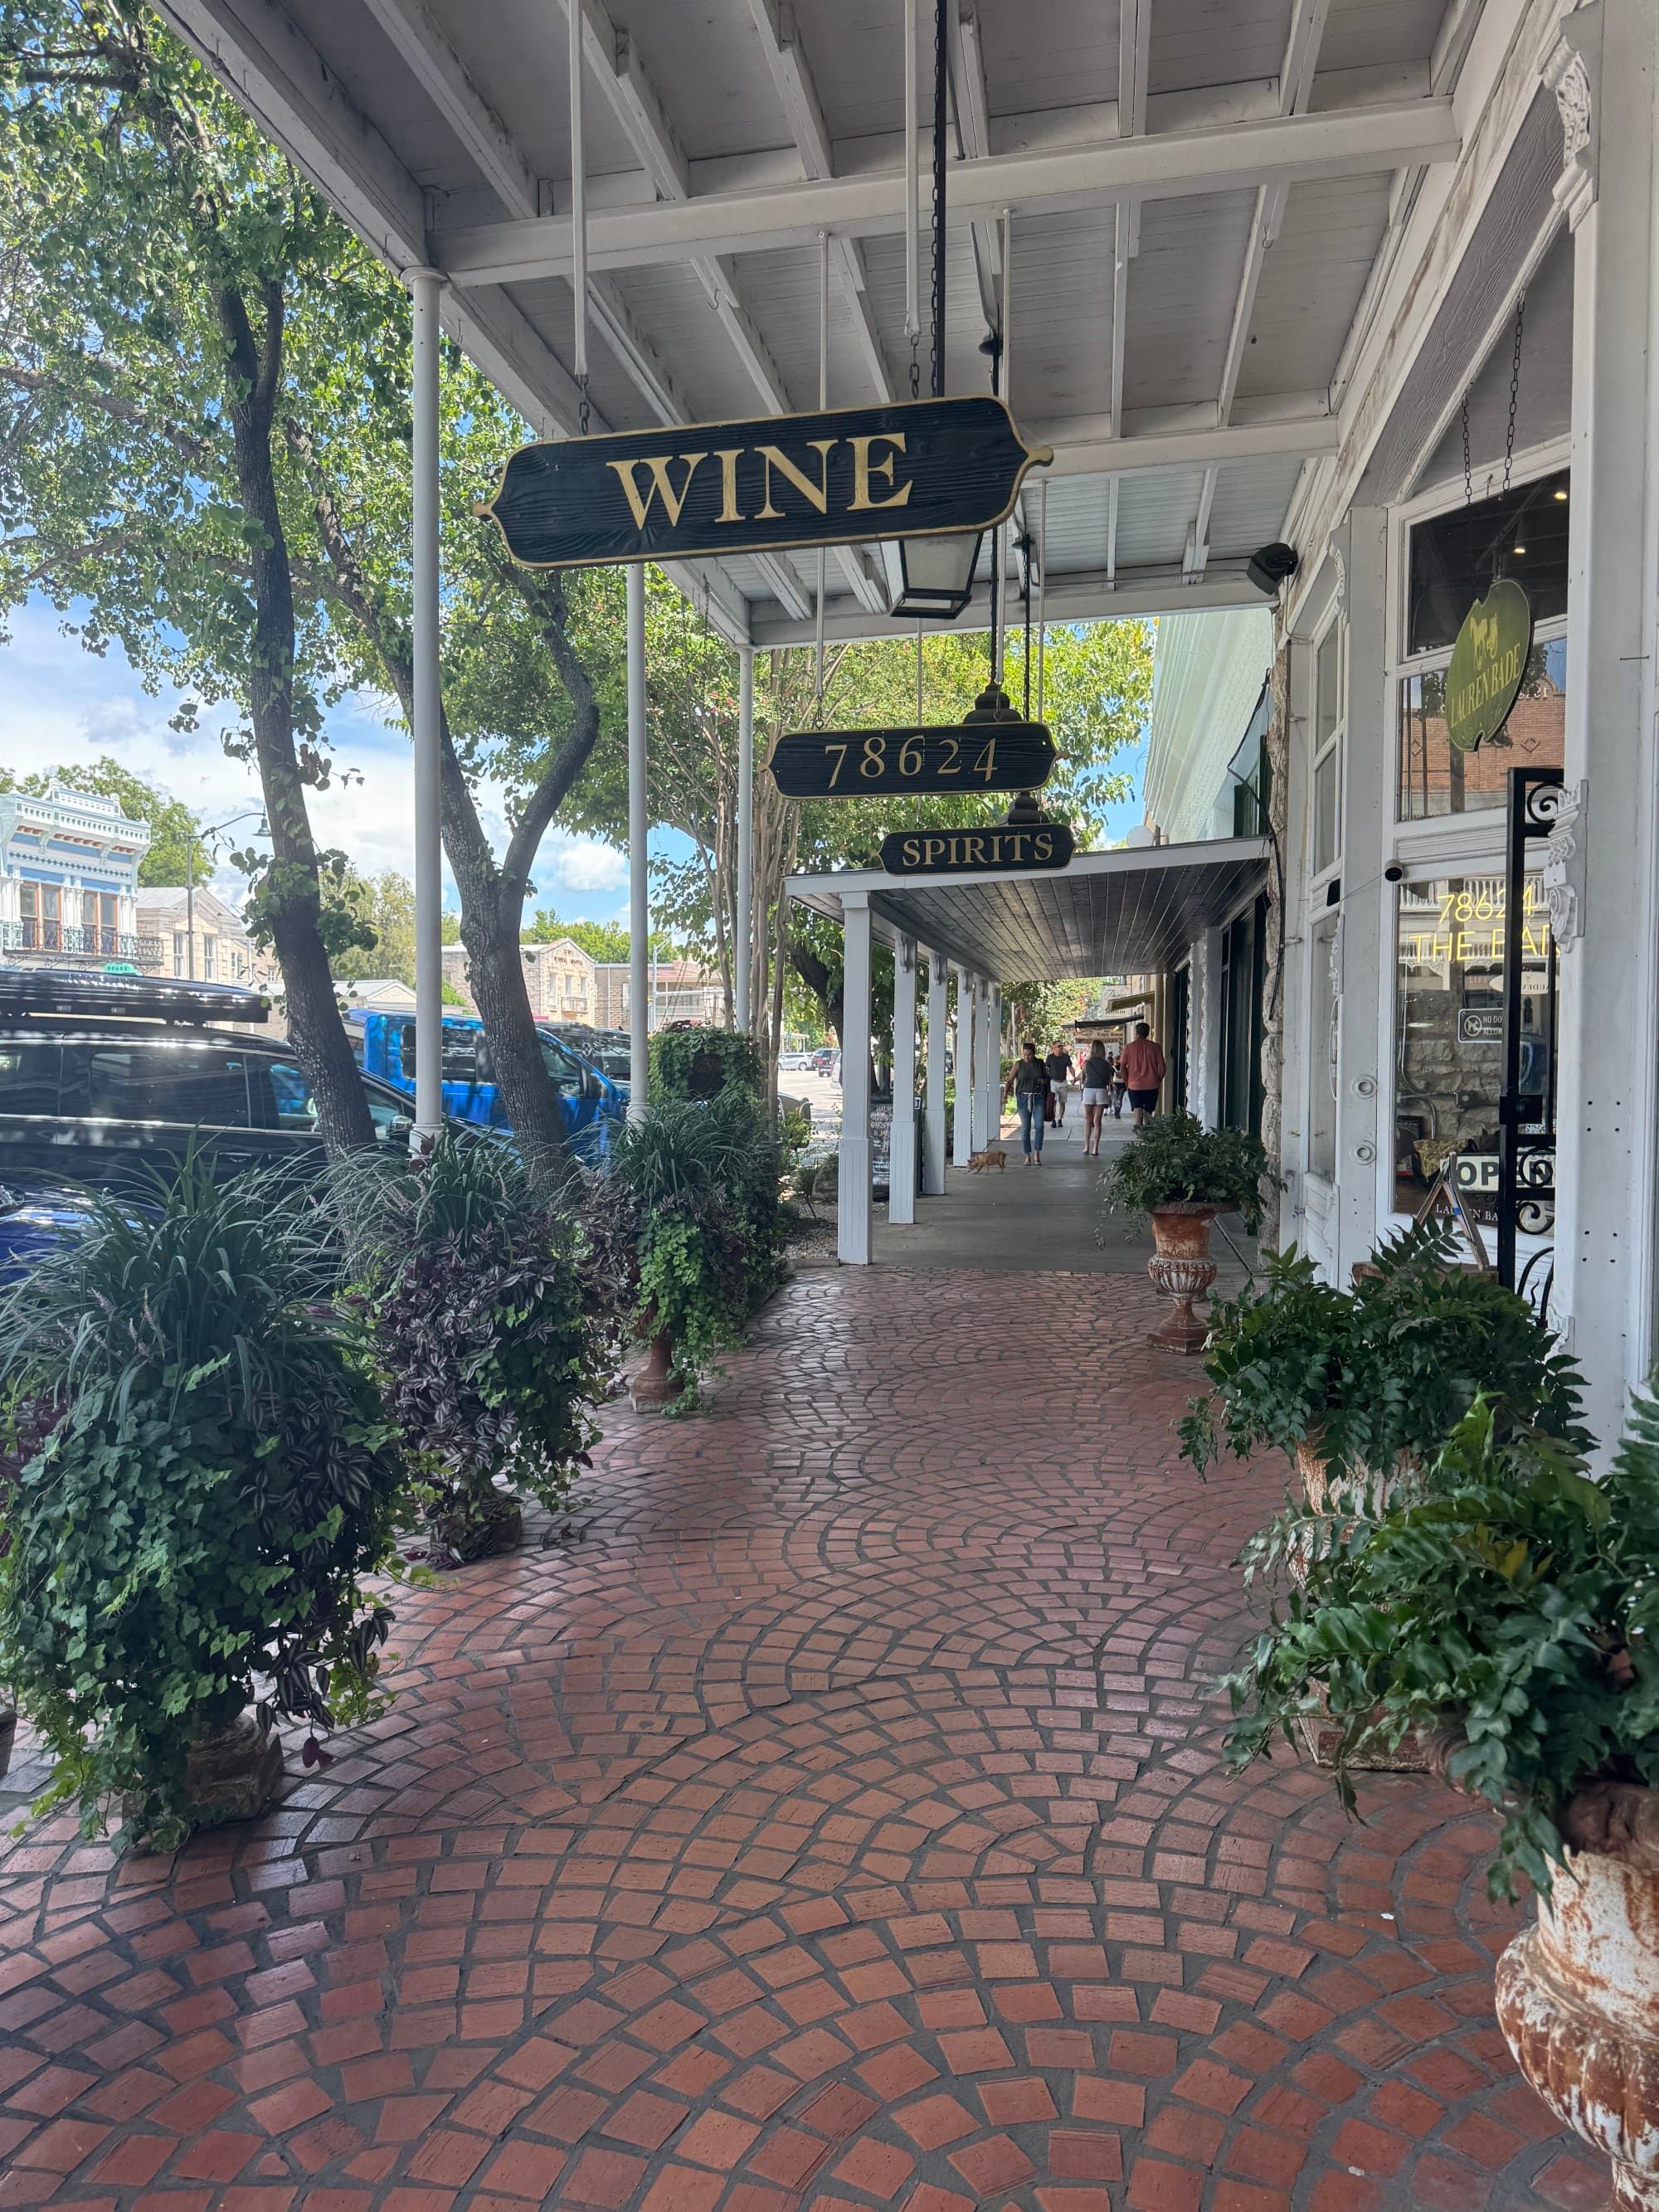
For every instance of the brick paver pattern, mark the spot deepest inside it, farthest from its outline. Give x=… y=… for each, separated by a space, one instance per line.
x=837 y=1820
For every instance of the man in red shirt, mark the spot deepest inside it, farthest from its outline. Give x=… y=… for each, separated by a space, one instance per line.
x=1142 y=1069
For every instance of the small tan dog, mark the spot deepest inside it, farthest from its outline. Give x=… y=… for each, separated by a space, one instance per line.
x=983 y=1163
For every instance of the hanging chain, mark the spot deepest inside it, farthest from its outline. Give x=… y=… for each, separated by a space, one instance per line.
x=1515 y=389
x=585 y=411
x=915 y=365
x=1469 y=482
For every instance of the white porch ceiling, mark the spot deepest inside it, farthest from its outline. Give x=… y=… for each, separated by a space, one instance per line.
x=1200 y=195
x=1133 y=912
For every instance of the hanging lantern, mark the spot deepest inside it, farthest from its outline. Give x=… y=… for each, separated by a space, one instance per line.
x=936 y=576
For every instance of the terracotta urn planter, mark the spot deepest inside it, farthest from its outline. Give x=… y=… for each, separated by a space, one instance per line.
x=1579 y=1992
x=656 y=1384
x=1181 y=1268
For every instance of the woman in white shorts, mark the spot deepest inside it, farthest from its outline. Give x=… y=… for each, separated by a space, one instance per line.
x=1097 y=1094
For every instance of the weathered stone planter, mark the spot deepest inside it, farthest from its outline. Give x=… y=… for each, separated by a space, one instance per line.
x=8 y=1736
x=462 y=1539
x=1579 y=1992
x=656 y=1385
x=231 y=1773
x=1181 y=1268
x=1414 y=1754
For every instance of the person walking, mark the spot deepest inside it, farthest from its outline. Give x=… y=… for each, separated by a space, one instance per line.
x=1096 y=1080
x=1030 y=1084
x=1144 y=1068
x=1058 y=1065
x=1114 y=1069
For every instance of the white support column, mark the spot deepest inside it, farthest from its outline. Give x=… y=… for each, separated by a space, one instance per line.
x=976 y=1127
x=933 y=1122
x=638 y=875
x=853 y=1179
x=992 y=1063
x=1204 y=1050
x=962 y=1134
x=1601 y=887
x=902 y=1142
x=426 y=290
x=1365 y=1053
x=743 y=953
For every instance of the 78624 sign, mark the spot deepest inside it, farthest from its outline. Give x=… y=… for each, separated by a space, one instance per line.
x=888 y=764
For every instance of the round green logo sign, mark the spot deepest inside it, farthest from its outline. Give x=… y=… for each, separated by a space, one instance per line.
x=1488 y=664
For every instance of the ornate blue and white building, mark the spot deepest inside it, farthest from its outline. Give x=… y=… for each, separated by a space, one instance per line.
x=69 y=879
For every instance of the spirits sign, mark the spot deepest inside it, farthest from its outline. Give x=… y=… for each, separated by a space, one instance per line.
x=912 y=760
x=976 y=852
x=914 y=469
x=1488 y=664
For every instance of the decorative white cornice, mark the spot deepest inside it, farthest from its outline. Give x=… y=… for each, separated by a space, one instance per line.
x=1573 y=73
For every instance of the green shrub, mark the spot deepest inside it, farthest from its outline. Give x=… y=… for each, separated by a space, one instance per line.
x=1388 y=1367
x=1500 y=1599
x=1174 y=1157
x=211 y=1480
x=691 y=1226
x=705 y=1063
x=465 y=1265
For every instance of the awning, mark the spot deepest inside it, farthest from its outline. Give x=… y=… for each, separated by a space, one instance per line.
x=1131 y=912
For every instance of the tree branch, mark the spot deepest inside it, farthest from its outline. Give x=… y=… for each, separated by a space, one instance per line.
x=186 y=443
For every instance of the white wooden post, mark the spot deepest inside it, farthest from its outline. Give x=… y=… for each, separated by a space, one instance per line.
x=1367 y=803
x=639 y=859
x=1601 y=889
x=902 y=1143
x=853 y=1183
x=933 y=1128
x=962 y=1134
x=426 y=289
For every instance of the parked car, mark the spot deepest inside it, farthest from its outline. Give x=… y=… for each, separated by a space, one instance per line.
x=590 y=1102
x=824 y=1058
x=609 y=1050
x=99 y=1070
x=794 y=1062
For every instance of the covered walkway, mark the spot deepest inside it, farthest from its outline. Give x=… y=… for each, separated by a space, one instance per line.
x=837 y=1821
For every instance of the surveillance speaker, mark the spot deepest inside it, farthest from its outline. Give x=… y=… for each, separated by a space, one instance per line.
x=1269 y=565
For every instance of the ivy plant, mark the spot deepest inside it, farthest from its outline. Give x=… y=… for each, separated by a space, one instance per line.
x=1386 y=1368
x=1500 y=1600
x=464 y=1265
x=1173 y=1159
x=207 y=1480
x=694 y=1061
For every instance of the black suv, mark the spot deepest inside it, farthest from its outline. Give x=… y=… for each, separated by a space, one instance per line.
x=96 y=1068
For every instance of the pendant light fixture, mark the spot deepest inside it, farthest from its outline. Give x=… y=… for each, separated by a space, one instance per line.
x=936 y=575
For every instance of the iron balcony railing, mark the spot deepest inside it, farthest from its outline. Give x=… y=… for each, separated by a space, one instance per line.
x=60 y=940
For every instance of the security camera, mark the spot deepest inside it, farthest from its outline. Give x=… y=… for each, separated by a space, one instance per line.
x=1393 y=873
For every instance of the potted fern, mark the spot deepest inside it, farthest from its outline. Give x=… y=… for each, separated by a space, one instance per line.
x=205 y=1482
x=464 y=1264
x=1181 y=1175
x=1503 y=1607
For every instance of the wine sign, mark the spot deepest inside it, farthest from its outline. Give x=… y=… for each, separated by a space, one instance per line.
x=912 y=760
x=991 y=851
x=917 y=468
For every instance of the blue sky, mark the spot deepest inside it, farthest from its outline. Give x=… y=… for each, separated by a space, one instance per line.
x=63 y=704
x=60 y=704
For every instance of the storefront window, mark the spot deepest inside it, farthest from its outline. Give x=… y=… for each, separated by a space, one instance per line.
x=1328 y=751
x=1435 y=778
x=1453 y=558
x=1449 y=1026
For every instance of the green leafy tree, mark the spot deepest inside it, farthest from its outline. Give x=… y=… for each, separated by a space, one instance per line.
x=156 y=249
x=385 y=903
x=172 y=825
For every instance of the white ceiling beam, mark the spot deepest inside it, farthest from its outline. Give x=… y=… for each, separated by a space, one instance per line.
x=1070 y=597
x=1083 y=445
x=617 y=70
x=1196 y=556
x=1285 y=148
x=974 y=141
x=781 y=42
x=444 y=77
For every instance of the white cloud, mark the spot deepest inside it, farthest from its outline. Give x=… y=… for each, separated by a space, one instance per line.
x=582 y=865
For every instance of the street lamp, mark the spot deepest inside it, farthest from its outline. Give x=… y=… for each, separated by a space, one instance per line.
x=936 y=576
x=191 y=841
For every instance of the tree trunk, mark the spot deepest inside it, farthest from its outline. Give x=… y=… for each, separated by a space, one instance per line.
x=292 y=890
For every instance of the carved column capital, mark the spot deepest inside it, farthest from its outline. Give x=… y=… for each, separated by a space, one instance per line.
x=1573 y=73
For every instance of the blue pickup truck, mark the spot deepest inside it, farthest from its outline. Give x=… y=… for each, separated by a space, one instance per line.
x=592 y=1103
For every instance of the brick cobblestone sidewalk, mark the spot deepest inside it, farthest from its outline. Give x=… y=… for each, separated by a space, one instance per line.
x=836 y=1823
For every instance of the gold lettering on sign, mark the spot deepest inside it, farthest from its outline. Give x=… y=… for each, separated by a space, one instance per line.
x=1045 y=845
x=662 y=483
x=773 y=456
x=727 y=457
x=864 y=468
